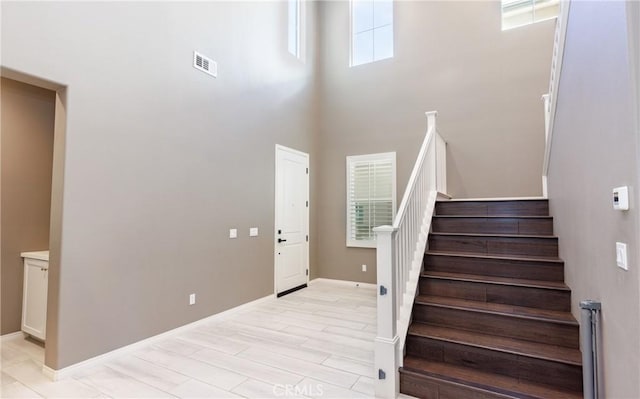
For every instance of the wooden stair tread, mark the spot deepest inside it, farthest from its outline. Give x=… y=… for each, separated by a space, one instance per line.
x=492 y=235
x=509 y=199
x=551 y=316
x=493 y=318
x=497 y=207
x=492 y=217
x=554 y=285
x=502 y=344
x=508 y=386
x=532 y=258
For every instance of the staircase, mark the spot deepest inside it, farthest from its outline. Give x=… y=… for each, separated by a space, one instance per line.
x=492 y=317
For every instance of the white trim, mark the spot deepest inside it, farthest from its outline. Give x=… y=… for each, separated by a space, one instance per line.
x=284 y=148
x=10 y=336
x=65 y=372
x=347 y=283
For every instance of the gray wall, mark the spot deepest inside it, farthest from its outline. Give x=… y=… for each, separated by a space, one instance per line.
x=451 y=57
x=161 y=160
x=595 y=145
x=27 y=115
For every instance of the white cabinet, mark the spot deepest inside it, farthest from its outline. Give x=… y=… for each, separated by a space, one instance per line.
x=34 y=296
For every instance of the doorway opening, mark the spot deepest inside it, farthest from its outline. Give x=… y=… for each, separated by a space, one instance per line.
x=32 y=137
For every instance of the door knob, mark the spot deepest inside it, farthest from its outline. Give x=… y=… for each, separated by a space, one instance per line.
x=281 y=240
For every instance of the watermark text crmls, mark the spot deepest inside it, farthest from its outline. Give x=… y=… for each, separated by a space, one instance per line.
x=290 y=390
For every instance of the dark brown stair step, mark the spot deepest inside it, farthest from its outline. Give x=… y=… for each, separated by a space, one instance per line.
x=512 y=266
x=531 y=324
x=551 y=373
x=524 y=207
x=554 y=353
x=538 y=225
x=435 y=380
x=530 y=283
x=496 y=308
x=495 y=244
x=550 y=295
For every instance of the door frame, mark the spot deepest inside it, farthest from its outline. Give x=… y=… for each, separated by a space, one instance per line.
x=275 y=214
x=56 y=219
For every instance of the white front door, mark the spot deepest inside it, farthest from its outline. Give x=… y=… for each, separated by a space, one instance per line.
x=292 y=220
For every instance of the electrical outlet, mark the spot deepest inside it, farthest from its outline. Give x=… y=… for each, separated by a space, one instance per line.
x=253 y=232
x=233 y=233
x=364 y=268
x=192 y=299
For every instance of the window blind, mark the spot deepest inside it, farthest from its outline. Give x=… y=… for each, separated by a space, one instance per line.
x=370 y=196
x=523 y=12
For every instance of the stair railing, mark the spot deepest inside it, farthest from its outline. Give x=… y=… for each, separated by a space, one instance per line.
x=400 y=252
x=550 y=99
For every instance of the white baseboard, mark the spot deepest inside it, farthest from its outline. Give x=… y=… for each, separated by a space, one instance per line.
x=342 y=282
x=64 y=372
x=10 y=336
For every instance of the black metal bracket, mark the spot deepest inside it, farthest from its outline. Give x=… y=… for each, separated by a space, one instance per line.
x=381 y=374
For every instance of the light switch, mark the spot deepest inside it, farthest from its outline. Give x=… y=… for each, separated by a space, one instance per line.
x=233 y=233
x=621 y=255
x=253 y=232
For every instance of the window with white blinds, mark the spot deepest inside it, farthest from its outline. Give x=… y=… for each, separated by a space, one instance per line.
x=371 y=196
x=517 y=13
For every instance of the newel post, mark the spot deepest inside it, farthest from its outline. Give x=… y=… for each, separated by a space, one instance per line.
x=431 y=119
x=438 y=162
x=386 y=343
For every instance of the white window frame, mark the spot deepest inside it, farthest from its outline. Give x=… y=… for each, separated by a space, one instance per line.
x=524 y=9
x=368 y=158
x=297 y=33
x=352 y=36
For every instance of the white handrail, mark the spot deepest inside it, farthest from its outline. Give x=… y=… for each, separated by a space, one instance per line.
x=551 y=99
x=400 y=250
x=431 y=127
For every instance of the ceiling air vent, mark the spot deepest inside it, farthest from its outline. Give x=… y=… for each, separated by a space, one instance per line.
x=205 y=64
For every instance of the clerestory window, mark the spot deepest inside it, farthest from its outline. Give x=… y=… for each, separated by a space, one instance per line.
x=371 y=31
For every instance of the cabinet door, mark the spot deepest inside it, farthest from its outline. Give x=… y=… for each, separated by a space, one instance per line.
x=34 y=301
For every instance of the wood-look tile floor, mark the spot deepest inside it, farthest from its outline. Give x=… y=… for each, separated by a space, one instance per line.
x=316 y=342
